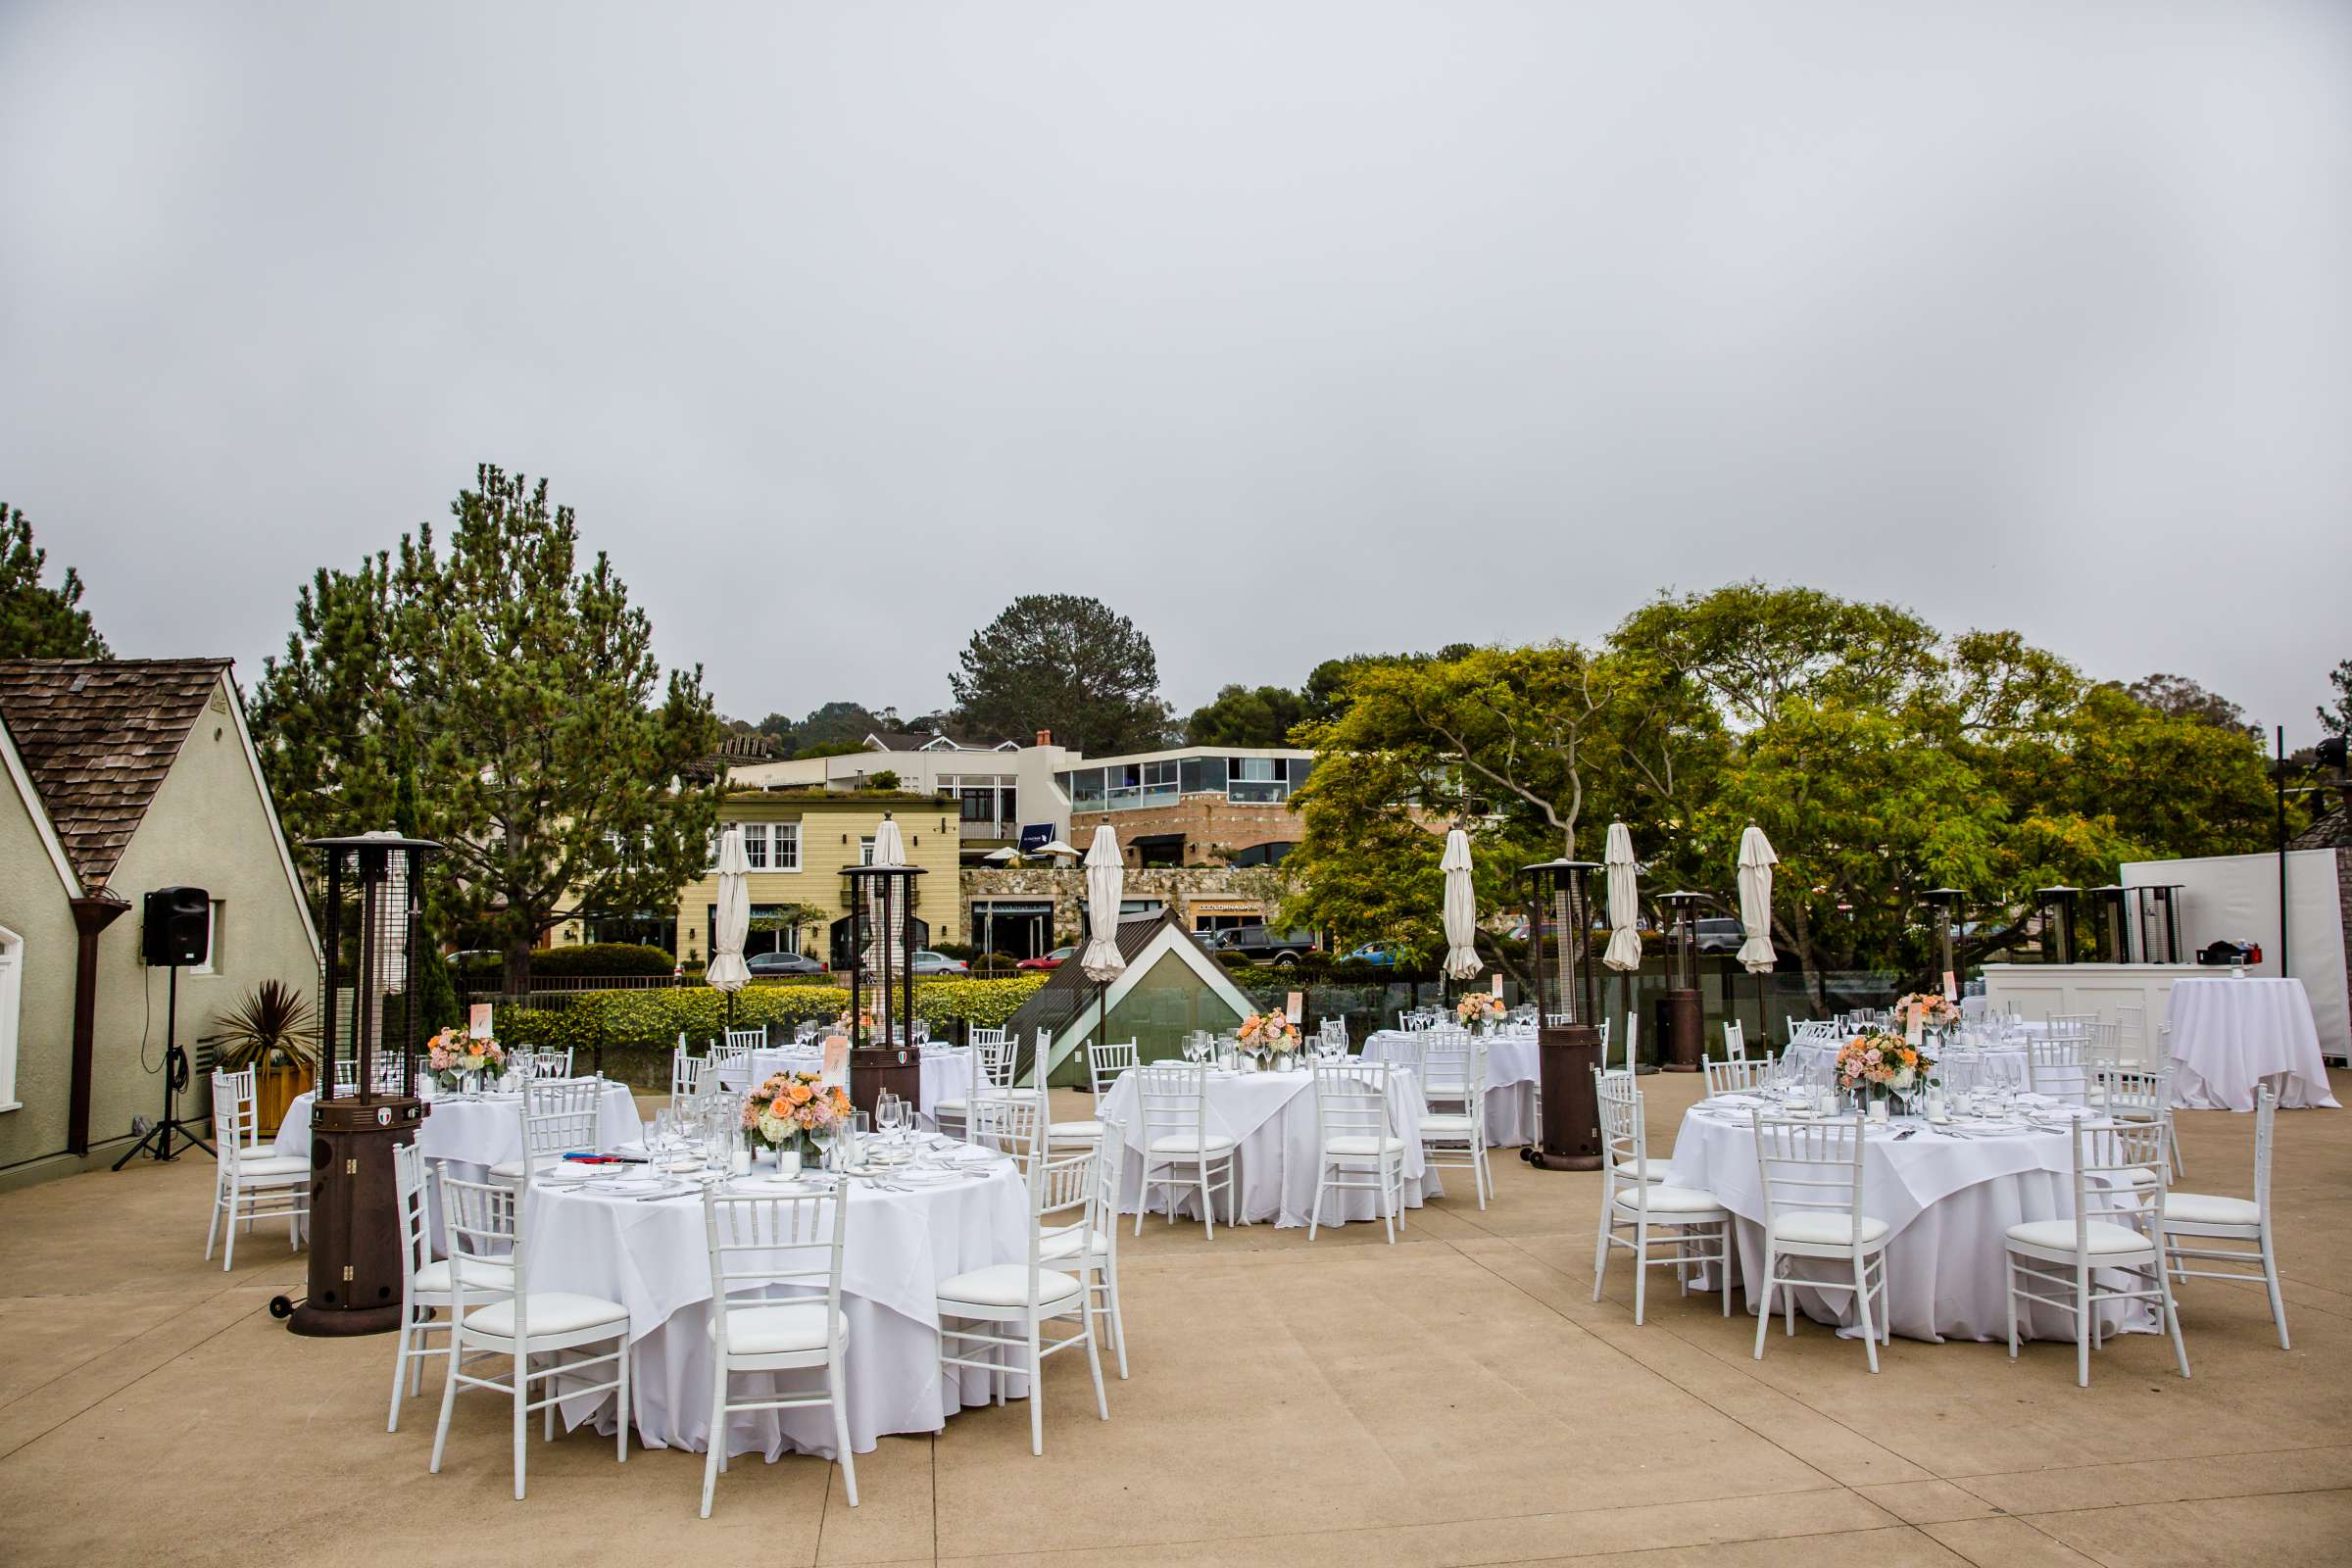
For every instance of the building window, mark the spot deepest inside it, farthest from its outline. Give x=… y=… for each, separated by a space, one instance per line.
x=865 y=850
x=214 y=929
x=1260 y=854
x=12 y=1002
x=768 y=846
x=1257 y=780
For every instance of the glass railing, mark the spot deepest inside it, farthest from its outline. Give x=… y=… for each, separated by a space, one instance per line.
x=1257 y=791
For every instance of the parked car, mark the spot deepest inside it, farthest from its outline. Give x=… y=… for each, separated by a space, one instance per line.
x=1719 y=935
x=771 y=964
x=1256 y=943
x=925 y=962
x=1381 y=955
x=1049 y=961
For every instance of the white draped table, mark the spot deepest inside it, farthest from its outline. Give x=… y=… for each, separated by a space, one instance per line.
x=947 y=1074
x=2231 y=1035
x=1271 y=1119
x=1513 y=1069
x=1948 y=1199
x=653 y=1257
x=1997 y=1065
x=477 y=1134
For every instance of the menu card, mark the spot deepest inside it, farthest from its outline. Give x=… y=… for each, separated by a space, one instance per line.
x=836 y=1069
x=477 y=1021
x=1495 y=983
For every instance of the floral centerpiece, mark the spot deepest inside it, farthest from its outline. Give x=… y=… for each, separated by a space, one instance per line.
x=782 y=1112
x=1269 y=1034
x=1931 y=1010
x=1880 y=1064
x=859 y=1030
x=1479 y=1007
x=454 y=1057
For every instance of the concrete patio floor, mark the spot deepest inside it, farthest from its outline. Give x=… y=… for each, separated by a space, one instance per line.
x=1457 y=1398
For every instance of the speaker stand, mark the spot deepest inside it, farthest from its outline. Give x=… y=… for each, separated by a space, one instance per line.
x=175 y=1077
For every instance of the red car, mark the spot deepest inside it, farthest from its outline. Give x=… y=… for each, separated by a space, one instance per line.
x=1047 y=961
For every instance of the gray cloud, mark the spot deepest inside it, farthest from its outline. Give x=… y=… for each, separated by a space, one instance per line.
x=1288 y=328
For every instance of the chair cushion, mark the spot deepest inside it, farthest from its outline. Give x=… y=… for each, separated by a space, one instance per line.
x=1190 y=1143
x=1074 y=1132
x=1445 y=1124
x=267 y=1166
x=1664 y=1199
x=1363 y=1144
x=1005 y=1285
x=1825 y=1230
x=781 y=1329
x=510 y=1169
x=481 y=1273
x=549 y=1313
x=2204 y=1208
x=948 y=1108
x=1067 y=1246
x=2058 y=1236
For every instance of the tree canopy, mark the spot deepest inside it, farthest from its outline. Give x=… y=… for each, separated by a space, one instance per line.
x=1065 y=662
x=1242 y=715
x=36 y=621
x=548 y=754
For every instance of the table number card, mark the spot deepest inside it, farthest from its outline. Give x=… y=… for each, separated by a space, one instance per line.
x=1295 y=1008
x=477 y=1020
x=1494 y=984
x=836 y=1069
x=1952 y=986
x=1914 y=1027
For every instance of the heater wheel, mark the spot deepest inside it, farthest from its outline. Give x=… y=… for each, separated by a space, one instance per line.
x=281 y=1307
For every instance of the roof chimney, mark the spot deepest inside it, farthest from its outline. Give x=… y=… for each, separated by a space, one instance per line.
x=1044 y=737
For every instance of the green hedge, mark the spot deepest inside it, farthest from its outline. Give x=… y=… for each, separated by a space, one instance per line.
x=657 y=1017
x=590 y=959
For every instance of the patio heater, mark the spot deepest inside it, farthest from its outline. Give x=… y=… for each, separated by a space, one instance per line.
x=1946 y=902
x=887 y=1059
x=1681 y=1021
x=369 y=998
x=2112 y=898
x=2156 y=919
x=1560 y=949
x=2058 y=903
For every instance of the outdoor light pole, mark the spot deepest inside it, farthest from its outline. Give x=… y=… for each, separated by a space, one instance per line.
x=1681 y=1022
x=1559 y=932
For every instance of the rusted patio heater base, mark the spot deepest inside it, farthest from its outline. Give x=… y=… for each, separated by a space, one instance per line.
x=1682 y=1030
x=1571 y=1131
x=355 y=1216
x=897 y=1068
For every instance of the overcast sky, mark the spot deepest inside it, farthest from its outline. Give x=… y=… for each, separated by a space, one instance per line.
x=1288 y=328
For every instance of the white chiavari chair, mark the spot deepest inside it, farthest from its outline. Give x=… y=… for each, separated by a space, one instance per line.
x=250 y=1180
x=1689 y=1221
x=425 y=1291
x=1811 y=1176
x=1172 y=1103
x=1738 y=1076
x=559 y=1118
x=989 y=1315
x=2120 y=1172
x=1356 y=1146
x=690 y=1076
x=761 y=1248
x=535 y=1330
x=2204 y=1218
x=2054 y=1066
x=1453 y=1075
x=1734 y=1040
x=1094 y=1250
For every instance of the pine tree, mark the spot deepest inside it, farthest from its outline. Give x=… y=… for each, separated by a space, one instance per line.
x=37 y=621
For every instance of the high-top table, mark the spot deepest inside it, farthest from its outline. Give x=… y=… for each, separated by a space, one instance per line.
x=2230 y=1035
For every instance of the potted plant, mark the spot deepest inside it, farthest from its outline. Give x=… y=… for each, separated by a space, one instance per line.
x=273 y=1032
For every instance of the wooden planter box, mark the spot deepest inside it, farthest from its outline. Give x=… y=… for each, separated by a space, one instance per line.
x=273 y=1090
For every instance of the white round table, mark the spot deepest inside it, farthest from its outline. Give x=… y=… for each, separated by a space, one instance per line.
x=1271 y=1119
x=477 y=1133
x=1948 y=1199
x=1513 y=1069
x=2230 y=1035
x=653 y=1257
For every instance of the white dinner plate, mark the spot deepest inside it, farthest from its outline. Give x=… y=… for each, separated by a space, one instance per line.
x=571 y=1172
x=640 y=1186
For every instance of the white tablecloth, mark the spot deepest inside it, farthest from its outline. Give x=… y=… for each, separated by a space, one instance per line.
x=477 y=1134
x=1513 y=1069
x=1948 y=1202
x=2231 y=1035
x=1271 y=1119
x=947 y=1074
x=652 y=1257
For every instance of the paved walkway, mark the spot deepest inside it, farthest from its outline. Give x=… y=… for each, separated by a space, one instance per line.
x=1455 y=1400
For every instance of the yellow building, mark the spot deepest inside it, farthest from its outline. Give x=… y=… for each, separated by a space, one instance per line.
x=799 y=843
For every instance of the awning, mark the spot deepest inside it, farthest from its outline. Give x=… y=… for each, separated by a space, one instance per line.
x=1159 y=841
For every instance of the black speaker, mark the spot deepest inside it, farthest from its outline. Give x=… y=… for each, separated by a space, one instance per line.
x=178 y=926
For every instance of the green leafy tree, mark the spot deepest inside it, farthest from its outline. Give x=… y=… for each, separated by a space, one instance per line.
x=1241 y=715
x=549 y=751
x=38 y=621
x=2337 y=718
x=1067 y=664
x=2180 y=697
x=1755 y=647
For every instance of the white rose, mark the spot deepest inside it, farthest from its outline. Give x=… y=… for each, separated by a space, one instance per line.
x=1906 y=1078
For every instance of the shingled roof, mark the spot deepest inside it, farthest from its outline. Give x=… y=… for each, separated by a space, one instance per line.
x=97 y=737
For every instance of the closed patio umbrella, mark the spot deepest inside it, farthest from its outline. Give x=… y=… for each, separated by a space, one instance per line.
x=732 y=922
x=1461 y=908
x=1625 y=943
x=1757 y=862
x=1105 y=886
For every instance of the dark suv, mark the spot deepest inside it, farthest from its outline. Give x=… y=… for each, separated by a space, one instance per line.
x=1256 y=943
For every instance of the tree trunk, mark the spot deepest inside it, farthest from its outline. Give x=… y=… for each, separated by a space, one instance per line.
x=517 y=979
